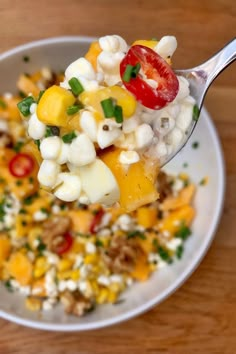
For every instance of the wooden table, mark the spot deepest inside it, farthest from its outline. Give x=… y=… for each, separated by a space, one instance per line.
x=201 y=316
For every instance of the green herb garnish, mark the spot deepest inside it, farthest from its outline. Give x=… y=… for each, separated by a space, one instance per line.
x=131 y=72
x=8 y=286
x=22 y=211
x=40 y=95
x=2 y=210
x=41 y=247
x=195 y=145
x=73 y=109
x=37 y=143
x=17 y=147
x=136 y=233
x=99 y=243
x=183 y=233
x=67 y=138
x=185 y=164
x=19 y=182
x=26 y=58
x=76 y=86
x=179 y=251
x=108 y=107
x=24 y=105
x=118 y=114
x=164 y=254
x=196 y=112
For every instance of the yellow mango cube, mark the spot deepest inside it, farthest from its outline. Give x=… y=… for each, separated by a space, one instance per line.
x=92 y=54
x=20 y=268
x=53 y=104
x=137 y=184
x=147 y=217
x=5 y=249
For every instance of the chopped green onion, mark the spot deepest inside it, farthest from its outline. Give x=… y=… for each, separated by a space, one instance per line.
x=21 y=94
x=17 y=147
x=196 y=112
x=195 y=145
x=131 y=72
x=73 y=109
x=118 y=114
x=40 y=95
x=136 y=233
x=164 y=254
x=67 y=138
x=26 y=58
x=3 y=104
x=183 y=233
x=76 y=86
x=108 y=107
x=37 y=143
x=24 y=106
x=52 y=131
x=128 y=73
x=9 y=286
x=179 y=251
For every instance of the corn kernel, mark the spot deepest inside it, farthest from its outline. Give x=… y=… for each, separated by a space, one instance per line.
x=90 y=258
x=102 y=297
x=64 y=264
x=41 y=267
x=146 y=43
x=53 y=105
x=69 y=274
x=112 y=297
x=33 y=304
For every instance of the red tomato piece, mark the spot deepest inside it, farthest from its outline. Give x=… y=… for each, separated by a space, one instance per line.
x=21 y=165
x=96 y=221
x=154 y=67
x=65 y=245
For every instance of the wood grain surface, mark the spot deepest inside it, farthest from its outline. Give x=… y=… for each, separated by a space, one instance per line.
x=201 y=316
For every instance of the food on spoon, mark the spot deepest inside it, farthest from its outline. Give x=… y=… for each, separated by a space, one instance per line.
x=127 y=99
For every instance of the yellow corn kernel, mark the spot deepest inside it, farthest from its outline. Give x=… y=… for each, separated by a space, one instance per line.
x=92 y=54
x=146 y=43
x=41 y=267
x=69 y=274
x=75 y=274
x=53 y=105
x=90 y=258
x=23 y=224
x=33 y=304
x=95 y=287
x=64 y=264
x=147 y=217
x=116 y=287
x=123 y=98
x=152 y=267
x=112 y=297
x=102 y=296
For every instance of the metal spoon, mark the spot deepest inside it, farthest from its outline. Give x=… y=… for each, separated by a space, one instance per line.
x=200 y=78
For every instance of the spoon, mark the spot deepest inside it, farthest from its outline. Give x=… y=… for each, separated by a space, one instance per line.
x=200 y=78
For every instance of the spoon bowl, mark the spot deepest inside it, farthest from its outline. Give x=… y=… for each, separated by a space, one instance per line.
x=200 y=79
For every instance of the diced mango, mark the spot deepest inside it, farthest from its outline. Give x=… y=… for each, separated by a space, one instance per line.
x=23 y=224
x=185 y=196
x=26 y=85
x=123 y=98
x=173 y=221
x=93 y=53
x=41 y=266
x=5 y=249
x=64 y=264
x=53 y=104
x=32 y=149
x=10 y=111
x=141 y=270
x=81 y=220
x=147 y=217
x=146 y=43
x=42 y=202
x=137 y=184
x=20 y=268
x=147 y=244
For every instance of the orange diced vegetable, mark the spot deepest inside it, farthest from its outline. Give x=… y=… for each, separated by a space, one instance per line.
x=173 y=221
x=5 y=249
x=92 y=54
x=20 y=268
x=147 y=217
x=26 y=85
x=81 y=220
x=185 y=196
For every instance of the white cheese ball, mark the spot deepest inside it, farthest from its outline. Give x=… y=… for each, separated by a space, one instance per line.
x=129 y=125
x=99 y=184
x=113 y=44
x=64 y=153
x=81 y=151
x=81 y=67
x=166 y=46
x=126 y=141
x=69 y=186
x=129 y=157
x=143 y=135
x=183 y=89
x=175 y=137
x=50 y=147
x=163 y=124
x=36 y=129
x=108 y=133
x=48 y=172
x=89 y=125
x=109 y=65
x=185 y=117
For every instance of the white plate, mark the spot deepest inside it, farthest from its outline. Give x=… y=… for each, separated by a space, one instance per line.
x=206 y=160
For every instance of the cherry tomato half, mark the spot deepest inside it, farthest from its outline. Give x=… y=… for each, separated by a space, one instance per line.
x=154 y=67
x=96 y=221
x=65 y=245
x=21 y=165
